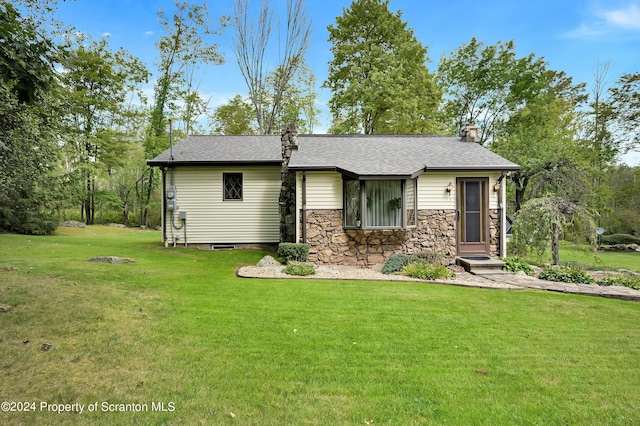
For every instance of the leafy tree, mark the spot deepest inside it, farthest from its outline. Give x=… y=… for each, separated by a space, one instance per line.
x=28 y=126
x=233 y=118
x=540 y=137
x=122 y=183
x=625 y=99
x=26 y=55
x=546 y=220
x=185 y=44
x=600 y=145
x=623 y=216
x=299 y=103
x=28 y=157
x=98 y=82
x=378 y=77
x=298 y=106
x=251 y=39
x=486 y=84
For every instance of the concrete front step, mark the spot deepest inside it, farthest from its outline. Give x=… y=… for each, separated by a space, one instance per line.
x=479 y=265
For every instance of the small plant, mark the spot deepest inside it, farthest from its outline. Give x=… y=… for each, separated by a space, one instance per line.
x=515 y=264
x=397 y=261
x=301 y=269
x=631 y=281
x=431 y=257
x=298 y=252
x=566 y=274
x=426 y=271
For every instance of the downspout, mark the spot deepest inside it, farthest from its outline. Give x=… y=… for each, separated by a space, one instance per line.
x=503 y=215
x=164 y=205
x=304 y=207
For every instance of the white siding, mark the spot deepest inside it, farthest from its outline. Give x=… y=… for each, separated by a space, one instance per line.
x=432 y=192
x=199 y=193
x=324 y=190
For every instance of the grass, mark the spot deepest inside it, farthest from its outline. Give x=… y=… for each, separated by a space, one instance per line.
x=603 y=260
x=179 y=327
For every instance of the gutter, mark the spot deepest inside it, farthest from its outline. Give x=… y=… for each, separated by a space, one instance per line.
x=304 y=207
x=168 y=163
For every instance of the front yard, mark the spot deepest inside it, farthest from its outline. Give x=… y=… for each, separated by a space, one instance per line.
x=177 y=338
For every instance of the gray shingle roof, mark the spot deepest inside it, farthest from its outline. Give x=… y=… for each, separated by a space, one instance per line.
x=396 y=155
x=216 y=149
x=362 y=155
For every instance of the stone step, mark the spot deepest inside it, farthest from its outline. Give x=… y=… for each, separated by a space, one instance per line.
x=480 y=265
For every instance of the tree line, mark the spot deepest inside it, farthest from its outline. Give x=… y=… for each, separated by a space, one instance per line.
x=77 y=126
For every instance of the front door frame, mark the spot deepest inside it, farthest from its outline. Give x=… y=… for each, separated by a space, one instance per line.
x=470 y=248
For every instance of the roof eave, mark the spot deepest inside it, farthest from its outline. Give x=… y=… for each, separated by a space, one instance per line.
x=471 y=168
x=175 y=163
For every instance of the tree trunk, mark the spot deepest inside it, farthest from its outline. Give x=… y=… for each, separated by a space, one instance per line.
x=87 y=201
x=93 y=201
x=555 y=243
x=521 y=187
x=145 y=215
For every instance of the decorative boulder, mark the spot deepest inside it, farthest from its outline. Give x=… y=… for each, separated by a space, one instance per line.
x=111 y=259
x=72 y=224
x=268 y=261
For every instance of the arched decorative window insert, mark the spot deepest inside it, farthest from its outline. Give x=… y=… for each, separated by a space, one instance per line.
x=380 y=203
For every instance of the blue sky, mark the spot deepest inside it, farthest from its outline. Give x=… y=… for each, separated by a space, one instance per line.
x=571 y=35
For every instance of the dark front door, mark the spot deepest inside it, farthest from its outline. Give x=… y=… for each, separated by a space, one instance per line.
x=473 y=215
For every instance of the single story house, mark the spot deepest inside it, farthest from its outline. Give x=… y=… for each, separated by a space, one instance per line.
x=356 y=199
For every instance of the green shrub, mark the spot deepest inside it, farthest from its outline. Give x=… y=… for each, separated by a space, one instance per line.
x=425 y=271
x=631 y=281
x=566 y=274
x=301 y=269
x=397 y=261
x=431 y=257
x=294 y=251
x=515 y=264
x=619 y=239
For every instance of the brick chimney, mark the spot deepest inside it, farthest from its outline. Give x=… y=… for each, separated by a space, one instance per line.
x=470 y=133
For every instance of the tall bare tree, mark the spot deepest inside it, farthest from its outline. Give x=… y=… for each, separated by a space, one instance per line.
x=251 y=39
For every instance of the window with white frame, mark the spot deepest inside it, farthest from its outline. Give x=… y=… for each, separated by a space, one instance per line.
x=380 y=204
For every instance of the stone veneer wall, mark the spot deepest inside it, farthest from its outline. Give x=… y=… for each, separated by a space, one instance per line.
x=332 y=244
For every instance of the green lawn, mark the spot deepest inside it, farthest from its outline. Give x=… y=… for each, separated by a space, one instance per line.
x=179 y=328
x=602 y=260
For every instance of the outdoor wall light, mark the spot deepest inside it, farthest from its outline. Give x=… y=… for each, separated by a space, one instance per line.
x=496 y=187
x=449 y=188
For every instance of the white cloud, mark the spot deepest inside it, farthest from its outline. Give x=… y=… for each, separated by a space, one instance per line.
x=585 y=31
x=106 y=35
x=604 y=22
x=149 y=33
x=626 y=18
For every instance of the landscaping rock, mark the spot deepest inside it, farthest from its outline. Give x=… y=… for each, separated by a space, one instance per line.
x=111 y=259
x=622 y=247
x=116 y=225
x=268 y=261
x=72 y=224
